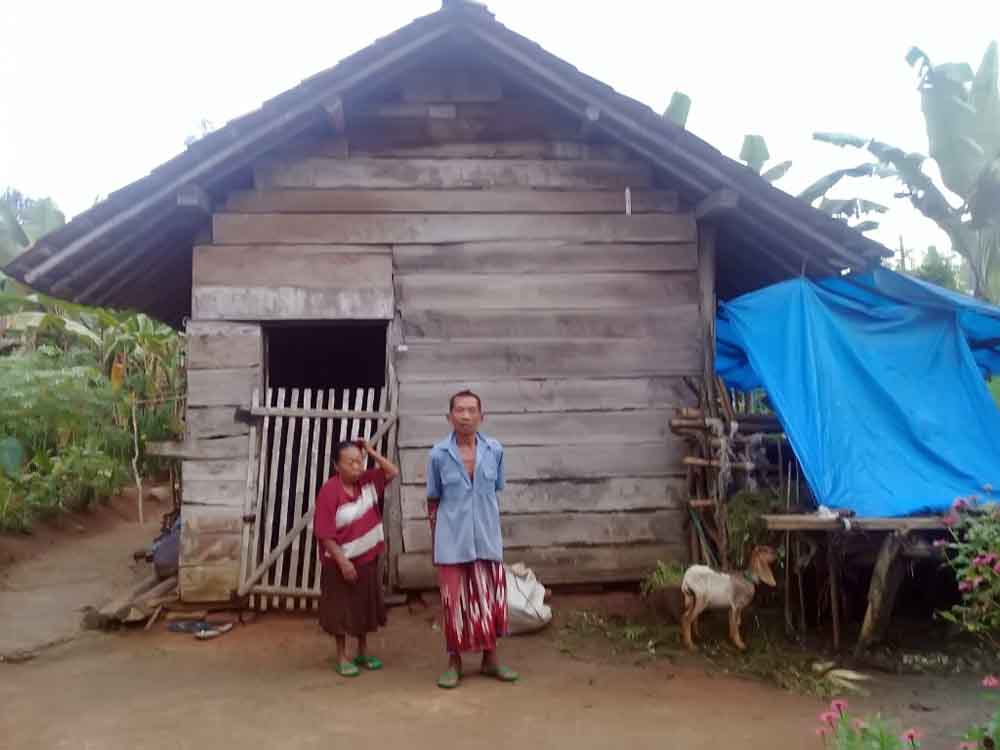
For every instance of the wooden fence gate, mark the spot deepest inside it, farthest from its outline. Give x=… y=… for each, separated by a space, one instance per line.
x=292 y=438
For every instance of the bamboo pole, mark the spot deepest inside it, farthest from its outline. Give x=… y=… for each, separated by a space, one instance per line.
x=135 y=464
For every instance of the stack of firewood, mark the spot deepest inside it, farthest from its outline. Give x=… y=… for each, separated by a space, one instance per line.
x=143 y=602
x=723 y=452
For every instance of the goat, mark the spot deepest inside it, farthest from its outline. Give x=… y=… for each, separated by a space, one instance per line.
x=704 y=588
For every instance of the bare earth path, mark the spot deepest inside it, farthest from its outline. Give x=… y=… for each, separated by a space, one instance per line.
x=268 y=685
x=80 y=562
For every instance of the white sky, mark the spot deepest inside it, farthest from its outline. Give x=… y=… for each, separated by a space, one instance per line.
x=98 y=93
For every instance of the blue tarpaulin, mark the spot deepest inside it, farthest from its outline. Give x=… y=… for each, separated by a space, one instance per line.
x=878 y=380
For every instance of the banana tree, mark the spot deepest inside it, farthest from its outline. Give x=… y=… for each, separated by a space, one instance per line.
x=22 y=221
x=962 y=117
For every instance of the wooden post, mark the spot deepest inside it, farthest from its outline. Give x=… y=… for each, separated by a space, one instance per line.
x=886 y=579
x=789 y=625
x=707 y=234
x=832 y=568
x=135 y=464
x=801 y=587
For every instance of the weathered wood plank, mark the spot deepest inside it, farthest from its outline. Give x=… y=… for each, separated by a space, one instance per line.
x=420 y=229
x=528 y=149
x=229 y=387
x=223 y=469
x=213 y=421
x=221 y=492
x=450 y=86
x=315 y=172
x=536 y=359
x=197 y=519
x=306 y=267
x=587 y=495
x=208 y=583
x=544 y=256
x=570 y=462
x=201 y=450
x=220 y=345
x=580 y=427
x=561 y=529
x=450 y=325
x=560 y=565
x=545 y=291
x=292 y=303
x=450 y=201
x=209 y=549
x=549 y=395
x=461 y=129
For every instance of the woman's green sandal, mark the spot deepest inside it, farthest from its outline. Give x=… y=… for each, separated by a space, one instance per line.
x=370 y=663
x=500 y=673
x=346 y=669
x=449 y=679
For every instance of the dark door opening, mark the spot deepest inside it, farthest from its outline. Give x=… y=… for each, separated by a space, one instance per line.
x=326 y=355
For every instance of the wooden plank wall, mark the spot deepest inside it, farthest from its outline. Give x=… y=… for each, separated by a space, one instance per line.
x=224 y=365
x=547 y=271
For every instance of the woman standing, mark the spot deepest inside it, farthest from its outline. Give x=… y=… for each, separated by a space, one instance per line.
x=348 y=526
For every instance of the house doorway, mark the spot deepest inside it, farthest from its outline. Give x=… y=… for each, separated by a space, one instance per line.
x=324 y=382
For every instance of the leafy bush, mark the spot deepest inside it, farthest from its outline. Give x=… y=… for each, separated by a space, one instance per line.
x=839 y=731
x=62 y=446
x=666 y=575
x=974 y=556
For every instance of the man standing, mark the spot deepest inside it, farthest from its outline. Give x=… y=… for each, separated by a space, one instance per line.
x=464 y=474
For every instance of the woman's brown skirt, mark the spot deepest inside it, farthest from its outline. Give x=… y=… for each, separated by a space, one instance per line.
x=352 y=608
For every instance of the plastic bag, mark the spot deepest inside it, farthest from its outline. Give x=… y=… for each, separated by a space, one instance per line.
x=526 y=607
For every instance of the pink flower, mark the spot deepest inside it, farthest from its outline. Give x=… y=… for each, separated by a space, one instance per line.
x=823 y=732
x=912 y=736
x=950 y=520
x=996 y=568
x=839 y=705
x=960 y=504
x=965 y=586
x=829 y=717
x=990 y=681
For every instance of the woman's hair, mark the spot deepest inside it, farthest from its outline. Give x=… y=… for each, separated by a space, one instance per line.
x=342 y=446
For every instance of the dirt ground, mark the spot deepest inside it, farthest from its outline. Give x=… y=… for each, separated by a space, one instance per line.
x=269 y=684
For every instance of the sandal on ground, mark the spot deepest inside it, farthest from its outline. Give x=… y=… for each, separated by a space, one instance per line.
x=500 y=673
x=213 y=632
x=449 y=679
x=346 y=669
x=371 y=663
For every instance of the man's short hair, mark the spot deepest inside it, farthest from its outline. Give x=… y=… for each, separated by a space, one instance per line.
x=463 y=394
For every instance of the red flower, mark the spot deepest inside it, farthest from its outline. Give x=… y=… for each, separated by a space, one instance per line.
x=912 y=736
x=960 y=504
x=990 y=681
x=829 y=717
x=839 y=705
x=950 y=520
x=965 y=586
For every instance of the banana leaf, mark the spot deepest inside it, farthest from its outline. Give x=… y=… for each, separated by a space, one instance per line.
x=754 y=152
x=778 y=171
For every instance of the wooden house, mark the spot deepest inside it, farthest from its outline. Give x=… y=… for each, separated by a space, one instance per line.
x=452 y=207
